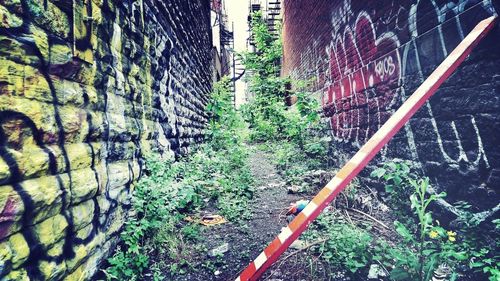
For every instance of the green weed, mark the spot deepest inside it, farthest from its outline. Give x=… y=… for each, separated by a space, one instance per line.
x=345 y=246
x=426 y=245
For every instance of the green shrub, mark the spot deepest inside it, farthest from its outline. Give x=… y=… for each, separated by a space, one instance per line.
x=269 y=117
x=346 y=246
x=432 y=244
x=291 y=132
x=151 y=203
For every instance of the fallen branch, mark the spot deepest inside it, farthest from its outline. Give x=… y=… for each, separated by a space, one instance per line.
x=361 y=220
x=296 y=252
x=349 y=217
x=370 y=217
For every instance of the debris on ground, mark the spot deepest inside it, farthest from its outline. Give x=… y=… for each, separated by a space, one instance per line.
x=270 y=185
x=317 y=178
x=219 y=250
x=299 y=245
x=297 y=207
x=207 y=220
x=376 y=272
x=294 y=189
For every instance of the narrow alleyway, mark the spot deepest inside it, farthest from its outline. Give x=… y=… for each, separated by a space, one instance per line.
x=166 y=140
x=246 y=239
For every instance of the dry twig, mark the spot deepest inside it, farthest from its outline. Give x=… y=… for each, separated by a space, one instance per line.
x=370 y=217
x=282 y=261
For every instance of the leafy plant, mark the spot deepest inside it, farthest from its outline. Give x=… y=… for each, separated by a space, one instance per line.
x=346 y=246
x=487 y=262
x=268 y=115
x=291 y=132
x=426 y=246
x=397 y=177
x=151 y=206
x=191 y=232
x=478 y=242
x=225 y=123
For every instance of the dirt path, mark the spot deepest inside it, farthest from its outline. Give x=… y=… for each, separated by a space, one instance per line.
x=248 y=239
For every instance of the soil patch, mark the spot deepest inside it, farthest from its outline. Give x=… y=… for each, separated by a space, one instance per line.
x=246 y=239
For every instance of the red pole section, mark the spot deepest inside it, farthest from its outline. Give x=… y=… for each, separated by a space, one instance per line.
x=279 y=245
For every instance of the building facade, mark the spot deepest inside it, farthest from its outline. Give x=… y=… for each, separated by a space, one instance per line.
x=365 y=58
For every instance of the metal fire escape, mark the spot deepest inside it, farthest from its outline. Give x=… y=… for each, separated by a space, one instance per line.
x=273 y=16
x=271 y=12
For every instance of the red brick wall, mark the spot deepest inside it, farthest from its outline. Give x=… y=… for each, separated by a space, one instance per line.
x=366 y=57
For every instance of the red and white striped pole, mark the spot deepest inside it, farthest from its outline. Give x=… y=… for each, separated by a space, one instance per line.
x=279 y=245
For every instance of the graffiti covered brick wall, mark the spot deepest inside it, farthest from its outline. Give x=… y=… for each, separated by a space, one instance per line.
x=87 y=87
x=365 y=58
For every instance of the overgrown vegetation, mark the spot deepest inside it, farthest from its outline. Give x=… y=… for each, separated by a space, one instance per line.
x=408 y=244
x=294 y=134
x=427 y=247
x=417 y=246
x=345 y=246
x=215 y=175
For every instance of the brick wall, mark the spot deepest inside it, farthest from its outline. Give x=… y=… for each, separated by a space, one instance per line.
x=366 y=57
x=87 y=87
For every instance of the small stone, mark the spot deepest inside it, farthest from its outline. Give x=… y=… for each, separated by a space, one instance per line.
x=46 y=196
x=82 y=214
x=274 y=185
x=217 y=273
x=51 y=230
x=52 y=270
x=220 y=250
x=383 y=207
x=376 y=272
x=14 y=250
x=20 y=274
x=299 y=245
x=293 y=189
x=84 y=185
x=262 y=187
x=50 y=17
